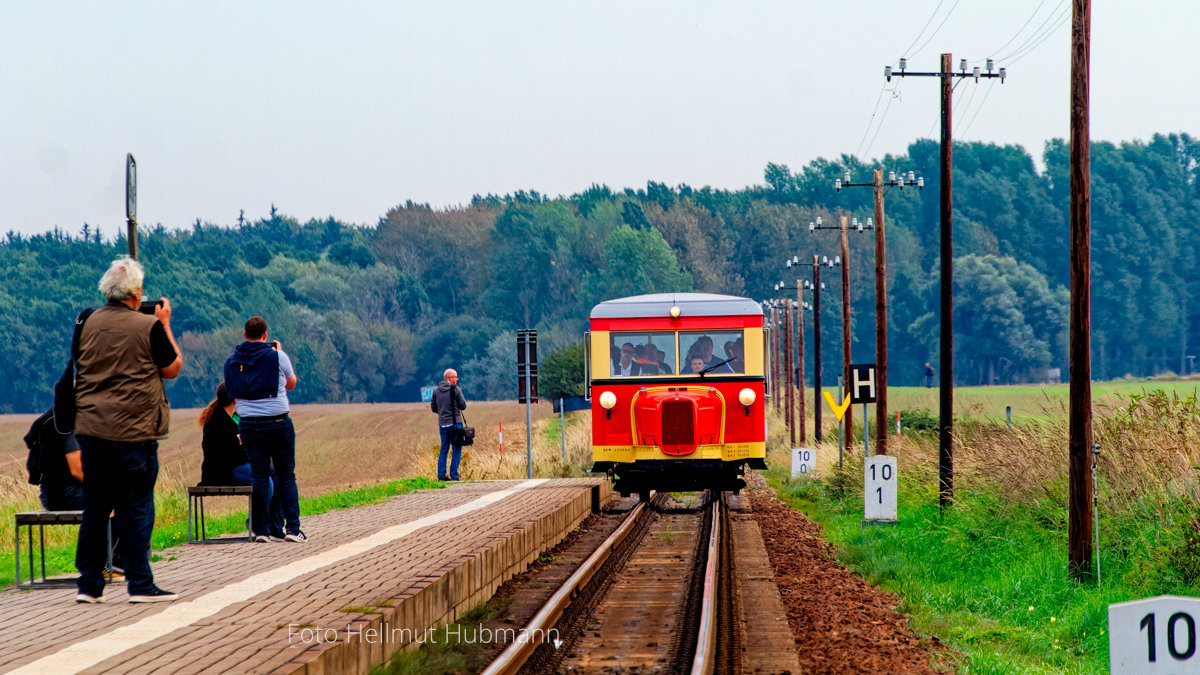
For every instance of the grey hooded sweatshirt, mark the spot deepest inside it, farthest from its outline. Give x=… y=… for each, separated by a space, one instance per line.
x=442 y=404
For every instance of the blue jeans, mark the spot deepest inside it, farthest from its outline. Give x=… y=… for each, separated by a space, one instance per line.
x=268 y=443
x=457 y=455
x=116 y=476
x=244 y=475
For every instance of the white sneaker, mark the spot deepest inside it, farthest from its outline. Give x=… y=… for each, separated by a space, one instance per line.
x=90 y=599
x=296 y=537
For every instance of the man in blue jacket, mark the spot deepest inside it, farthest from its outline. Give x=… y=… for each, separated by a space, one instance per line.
x=259 y=375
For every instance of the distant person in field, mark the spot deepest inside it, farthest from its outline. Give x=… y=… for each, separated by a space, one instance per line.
x=121 y=411
x=259 y=375
x=447 y=400
x=625 y=366
x=225 y=461
x=928 y=376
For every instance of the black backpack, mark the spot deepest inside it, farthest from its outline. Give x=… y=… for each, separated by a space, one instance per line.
x=34 y=440
x=252 y=373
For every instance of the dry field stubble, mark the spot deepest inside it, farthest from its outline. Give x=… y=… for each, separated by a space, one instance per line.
x=1150 y=455
x=338 y=447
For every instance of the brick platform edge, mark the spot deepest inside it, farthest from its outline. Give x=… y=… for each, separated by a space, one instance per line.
x=444 y=594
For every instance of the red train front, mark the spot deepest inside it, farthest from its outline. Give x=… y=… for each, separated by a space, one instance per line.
x=677 y=384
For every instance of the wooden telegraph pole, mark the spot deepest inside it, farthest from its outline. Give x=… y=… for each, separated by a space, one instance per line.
x=1079 y=527
x=946 y=382
x=774 y=358
x=849 y=416
x=816 y=265
x=877 y=184
x=790 y=414
x=800 y=356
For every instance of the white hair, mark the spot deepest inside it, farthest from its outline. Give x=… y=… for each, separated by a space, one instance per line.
x=123 y=280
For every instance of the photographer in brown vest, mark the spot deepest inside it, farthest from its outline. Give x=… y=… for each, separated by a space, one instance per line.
x=121 y=413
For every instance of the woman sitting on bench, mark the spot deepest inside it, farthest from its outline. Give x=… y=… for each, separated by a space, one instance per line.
x=225 y=462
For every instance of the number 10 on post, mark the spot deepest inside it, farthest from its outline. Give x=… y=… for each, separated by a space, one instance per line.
x=879 y=489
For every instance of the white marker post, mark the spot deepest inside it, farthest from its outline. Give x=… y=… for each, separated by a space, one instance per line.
x=804 y=463
x=1156 y=635
x=879 y=489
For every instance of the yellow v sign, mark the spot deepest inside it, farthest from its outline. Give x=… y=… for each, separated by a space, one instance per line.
x=839 y=411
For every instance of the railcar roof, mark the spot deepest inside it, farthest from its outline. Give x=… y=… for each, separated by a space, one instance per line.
x=659 y=305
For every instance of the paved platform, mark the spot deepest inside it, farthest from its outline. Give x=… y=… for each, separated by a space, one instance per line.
x=368 y=582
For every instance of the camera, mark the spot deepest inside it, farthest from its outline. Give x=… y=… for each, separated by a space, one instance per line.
x=147 y=306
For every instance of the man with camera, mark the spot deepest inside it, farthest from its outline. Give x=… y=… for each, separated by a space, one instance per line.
x=259 y=375
x=447 y=401
x=121 y=413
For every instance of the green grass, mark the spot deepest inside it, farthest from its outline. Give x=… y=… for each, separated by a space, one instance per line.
x=989 y=578
x=446 y=651
x=171 y=523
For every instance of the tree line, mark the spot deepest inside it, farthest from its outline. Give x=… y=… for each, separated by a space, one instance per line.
x=373 y=313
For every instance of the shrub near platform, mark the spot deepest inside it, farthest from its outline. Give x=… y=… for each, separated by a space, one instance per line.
x=988 y=576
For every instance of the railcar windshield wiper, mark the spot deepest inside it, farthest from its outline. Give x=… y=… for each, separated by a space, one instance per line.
x=714 y=367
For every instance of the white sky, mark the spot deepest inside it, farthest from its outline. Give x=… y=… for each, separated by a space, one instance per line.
x=348 y=109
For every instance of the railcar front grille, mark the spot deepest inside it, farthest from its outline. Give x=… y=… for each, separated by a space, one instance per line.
x=678 y=427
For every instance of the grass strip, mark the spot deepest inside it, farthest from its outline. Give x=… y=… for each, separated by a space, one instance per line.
x=986 y=576
x=170 y=528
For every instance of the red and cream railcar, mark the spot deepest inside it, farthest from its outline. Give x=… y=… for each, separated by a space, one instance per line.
x=677 y=389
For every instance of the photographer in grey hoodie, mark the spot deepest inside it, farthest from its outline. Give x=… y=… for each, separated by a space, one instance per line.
x=447 y=401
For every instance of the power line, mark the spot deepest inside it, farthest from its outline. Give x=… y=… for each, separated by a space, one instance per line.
x=878 y=128
x=1062 y=21
x=858 y=153
x=1036 y=34
x=935 y=32
x=935 y=11
x=1019 y=30
x=983 y=102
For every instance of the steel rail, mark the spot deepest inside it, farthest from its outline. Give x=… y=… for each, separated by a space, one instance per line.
x=517 y=653
x=706 y=645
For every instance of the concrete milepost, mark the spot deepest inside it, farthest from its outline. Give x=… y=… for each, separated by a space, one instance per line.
x=1155 y=635
x=879 y=489
x=804 y=463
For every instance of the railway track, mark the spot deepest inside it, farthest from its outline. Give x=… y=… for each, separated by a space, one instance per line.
x=655 y=596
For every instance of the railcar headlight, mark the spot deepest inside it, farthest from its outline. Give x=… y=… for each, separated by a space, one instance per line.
x=609 y=399
x=746 y=396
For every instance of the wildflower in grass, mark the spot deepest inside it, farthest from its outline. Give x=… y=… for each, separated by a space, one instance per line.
x=1031 y=608
x=1052 y=619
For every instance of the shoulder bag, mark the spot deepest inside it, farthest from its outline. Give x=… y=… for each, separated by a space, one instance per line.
x=465 y=435
x=64 y=389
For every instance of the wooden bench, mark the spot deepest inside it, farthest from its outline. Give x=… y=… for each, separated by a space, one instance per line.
x=28 y=519
x=196 y=495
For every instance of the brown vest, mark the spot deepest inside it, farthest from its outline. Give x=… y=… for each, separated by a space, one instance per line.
x=119 y=393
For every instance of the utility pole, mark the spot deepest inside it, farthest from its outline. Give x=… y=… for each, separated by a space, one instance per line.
x=790 y=413
x=849 y=416
x=946 y=339
x=877 y=184
x=816 y=266
x=798 y=364
x=774 y=357
x=1079 y=526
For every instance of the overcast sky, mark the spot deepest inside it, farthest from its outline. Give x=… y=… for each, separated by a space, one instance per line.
x=348 y=109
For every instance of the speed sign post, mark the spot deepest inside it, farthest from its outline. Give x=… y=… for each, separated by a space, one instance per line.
x=804 y=463
x=879 y=490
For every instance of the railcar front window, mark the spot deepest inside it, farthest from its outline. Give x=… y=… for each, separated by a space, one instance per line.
x=706 y=349
x=633 y=354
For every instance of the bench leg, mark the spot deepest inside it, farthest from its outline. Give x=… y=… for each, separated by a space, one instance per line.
x=189 y=525
x=41 y=550
x=250 y=519
x=17 y=554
